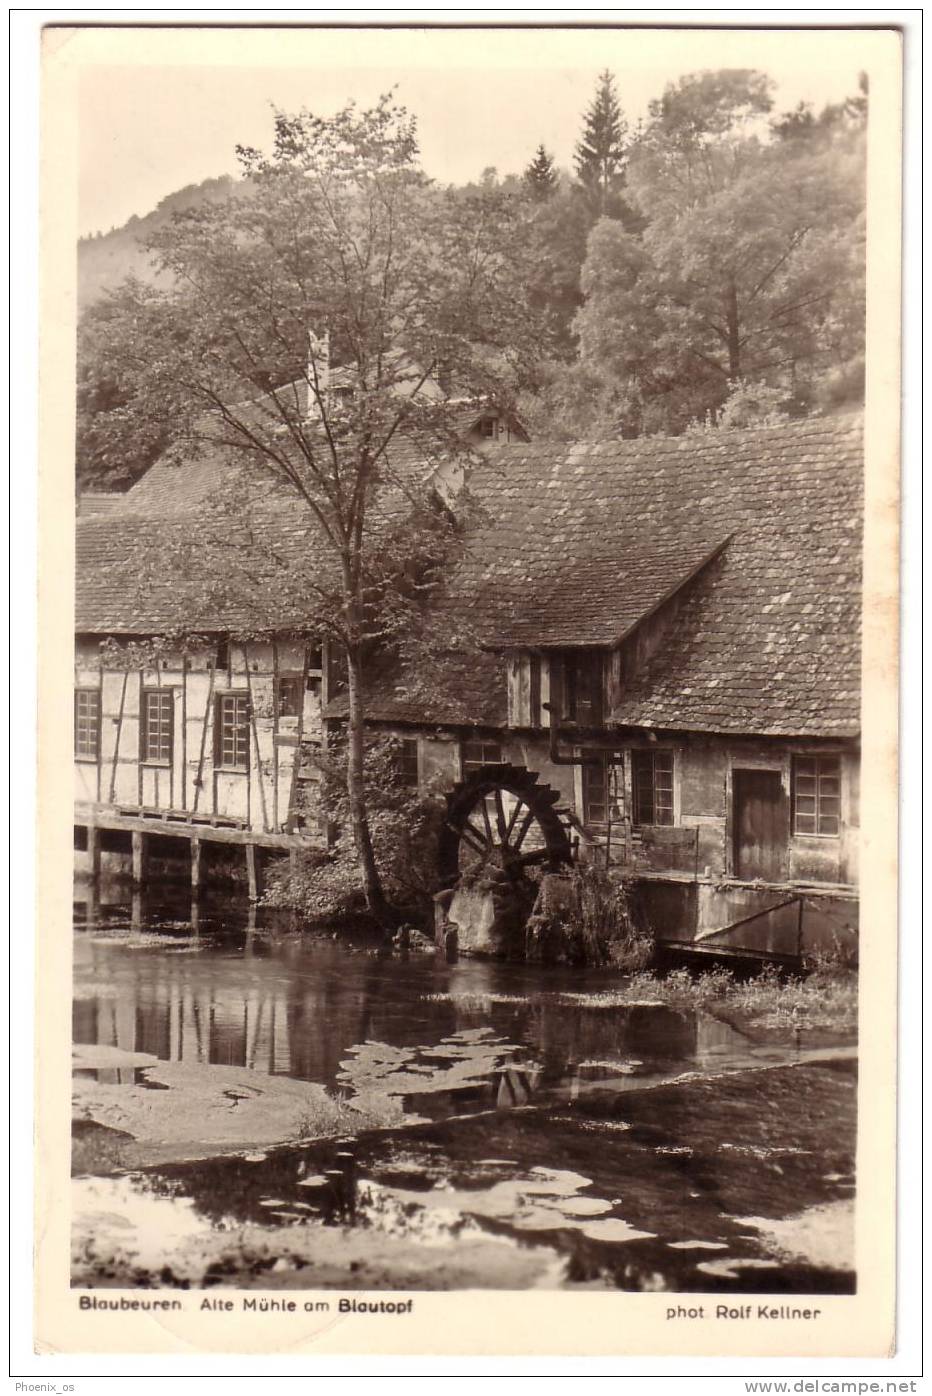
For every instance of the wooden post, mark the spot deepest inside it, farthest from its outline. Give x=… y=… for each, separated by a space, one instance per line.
x=255 y=737
x=252 y=871
x=200 y=760
x=275 y=706
x=195 y=867
x=93 y=851
x=139 y=857
x=119 y=732
x=92 y=914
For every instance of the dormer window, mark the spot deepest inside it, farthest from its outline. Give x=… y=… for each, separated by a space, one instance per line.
x=582 y=688
x=488 y=428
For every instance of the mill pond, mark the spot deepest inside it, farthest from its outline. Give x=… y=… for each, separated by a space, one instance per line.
x=257 y=1107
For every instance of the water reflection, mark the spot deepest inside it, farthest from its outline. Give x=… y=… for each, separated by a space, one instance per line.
x=232 y=992
x=617 y=1138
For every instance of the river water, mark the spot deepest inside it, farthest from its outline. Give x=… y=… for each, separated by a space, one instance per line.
x=256 y=1105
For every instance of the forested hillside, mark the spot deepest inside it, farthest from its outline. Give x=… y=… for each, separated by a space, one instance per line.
x=106 y=259
x=703 y=266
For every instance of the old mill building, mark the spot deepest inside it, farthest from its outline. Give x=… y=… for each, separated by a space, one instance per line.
x=666 y=631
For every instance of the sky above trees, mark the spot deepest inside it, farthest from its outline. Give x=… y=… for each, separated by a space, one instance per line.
x=482 y=98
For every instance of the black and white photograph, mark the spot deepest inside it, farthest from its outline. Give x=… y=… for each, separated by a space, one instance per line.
x=468 y=672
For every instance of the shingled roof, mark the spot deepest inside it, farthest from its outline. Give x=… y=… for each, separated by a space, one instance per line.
x=757 y=533
x=767 y=634
x=597 y=601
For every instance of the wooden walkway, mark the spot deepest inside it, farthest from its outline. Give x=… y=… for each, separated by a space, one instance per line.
x=141 y=823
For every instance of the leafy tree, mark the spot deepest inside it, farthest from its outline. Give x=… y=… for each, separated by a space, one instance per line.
x=750 y=266
x=601 y=151
x=559 y=231
x=747 y=405
x=346 y=287
x=541 y=175
x=117 y=438
x=802 y=123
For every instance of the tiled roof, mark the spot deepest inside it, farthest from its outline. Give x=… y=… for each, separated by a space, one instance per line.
x=169 y=489
x=90 y=504
x=599 y=600
x=214 y=545
x=767 y=637
x=574 y=545
x=129 y=578
x=461 y=690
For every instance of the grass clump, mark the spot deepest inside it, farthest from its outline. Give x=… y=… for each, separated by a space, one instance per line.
x=824 y=1000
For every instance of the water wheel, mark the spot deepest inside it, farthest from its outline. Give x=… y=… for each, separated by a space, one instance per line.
x=501 y=817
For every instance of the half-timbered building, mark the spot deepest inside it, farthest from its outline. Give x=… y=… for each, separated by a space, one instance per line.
x=665 y=630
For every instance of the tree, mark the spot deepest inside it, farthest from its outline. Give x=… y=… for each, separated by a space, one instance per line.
x=559 y=230
x=602 y=149
x=541 y=176
x=305 y=329
x=750 y=265
x=116 y=439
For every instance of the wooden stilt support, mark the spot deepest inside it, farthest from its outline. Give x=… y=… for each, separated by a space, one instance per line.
x=139 y=857
x=93 y=903
x=93 y=851
x=195 y=867
x=252 y=871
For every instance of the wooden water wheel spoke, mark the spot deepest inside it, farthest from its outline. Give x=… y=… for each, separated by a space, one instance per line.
x=513 y=819
x=469 y=834
x=476 y=838
x=536 y=855
x=490 y=837
x=472 y=862
x=500 y=818
x=522 y=832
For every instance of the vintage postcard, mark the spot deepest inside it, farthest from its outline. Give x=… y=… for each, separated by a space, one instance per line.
x=468 y=585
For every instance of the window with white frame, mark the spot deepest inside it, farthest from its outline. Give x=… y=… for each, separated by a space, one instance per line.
x=817 y=795
x=87 y=724
x=157 y=722
x=652 y=787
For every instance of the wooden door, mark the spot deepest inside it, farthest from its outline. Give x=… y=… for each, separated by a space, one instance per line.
x=760 y=825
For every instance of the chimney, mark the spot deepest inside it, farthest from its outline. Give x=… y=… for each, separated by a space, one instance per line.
x=318 y=371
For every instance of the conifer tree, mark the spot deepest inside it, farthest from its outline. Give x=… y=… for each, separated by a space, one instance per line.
x=541 y=175
x=600 y=153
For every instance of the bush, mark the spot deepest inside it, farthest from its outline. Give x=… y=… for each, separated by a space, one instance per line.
x=404 y=823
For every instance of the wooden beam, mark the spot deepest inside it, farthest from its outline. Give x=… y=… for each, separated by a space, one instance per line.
x=252 y=871
x=185 y=829
x=299 y=738
x=255 y=738
x=93 y=851
x=139 y=857
x=195 y=866
x=199 y=778
x=119 y=733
